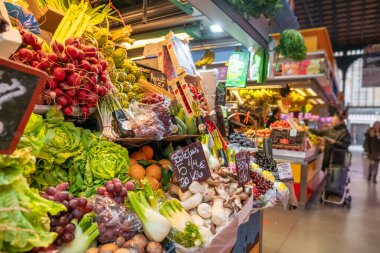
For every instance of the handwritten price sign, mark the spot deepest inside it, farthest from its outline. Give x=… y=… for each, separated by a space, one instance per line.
x=190 y=164
x=284 y=171
x=242 y=166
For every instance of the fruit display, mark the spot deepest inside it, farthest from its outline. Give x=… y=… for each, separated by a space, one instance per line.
x=264 y=133
x=250 y=133
x=78 y=75
x=280 y=124
x=266 y=162
x=259 y=94
x=206 y=59
x=239 y=138
x=279 y=136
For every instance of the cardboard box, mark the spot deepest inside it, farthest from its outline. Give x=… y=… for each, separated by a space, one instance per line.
x=48 y=17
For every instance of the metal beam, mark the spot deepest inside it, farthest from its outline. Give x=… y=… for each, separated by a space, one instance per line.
x=308 y=13
x=145 y=12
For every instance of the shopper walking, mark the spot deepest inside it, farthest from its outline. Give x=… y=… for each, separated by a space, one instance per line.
x=336 y=138
x=372 y=148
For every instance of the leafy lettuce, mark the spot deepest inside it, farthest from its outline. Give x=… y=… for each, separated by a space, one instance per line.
x=24 y=220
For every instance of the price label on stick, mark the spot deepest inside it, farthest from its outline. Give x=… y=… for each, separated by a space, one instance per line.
x=190 y=164
x=284 y=171
x=242 y=167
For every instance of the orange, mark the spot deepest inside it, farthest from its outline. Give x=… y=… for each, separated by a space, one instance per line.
x=138 y=156
x=153 y=182
x=137 y=171
x=132 y=161
x=154 y=171
x=165 y=164
x=152 y=161
x=148 y=151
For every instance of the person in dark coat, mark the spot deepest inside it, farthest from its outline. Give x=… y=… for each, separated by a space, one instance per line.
x=276 y=115
x=372 y=148
x=337 y=137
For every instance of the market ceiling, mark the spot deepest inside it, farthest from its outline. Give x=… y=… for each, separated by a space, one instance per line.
x=351 y=24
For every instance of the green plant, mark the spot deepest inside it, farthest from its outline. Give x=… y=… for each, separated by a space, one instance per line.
x=292 y=45
x=254 y=8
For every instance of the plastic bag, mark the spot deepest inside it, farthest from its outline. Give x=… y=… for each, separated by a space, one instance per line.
x=114 y=220
x=162 y=112
x=144 y=122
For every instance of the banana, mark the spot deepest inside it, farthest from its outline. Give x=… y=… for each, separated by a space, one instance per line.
x=206 y=59
x=211 y=57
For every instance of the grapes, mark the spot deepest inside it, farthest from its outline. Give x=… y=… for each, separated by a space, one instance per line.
x=76 y=208
x=115 y=190
x=67 y=237
x=261 y=184
x=266 y=162
x=130 y=185
x=69 y=228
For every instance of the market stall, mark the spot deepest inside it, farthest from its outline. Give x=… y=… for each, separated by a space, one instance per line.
x=105 y=155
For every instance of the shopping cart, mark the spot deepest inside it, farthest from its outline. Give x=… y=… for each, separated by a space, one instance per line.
x=336 y=190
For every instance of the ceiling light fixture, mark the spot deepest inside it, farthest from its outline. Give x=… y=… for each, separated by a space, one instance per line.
x=144 y=42
x=216 y=28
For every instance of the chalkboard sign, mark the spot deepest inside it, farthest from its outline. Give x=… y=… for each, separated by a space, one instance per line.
x=190 y=164
x=220 y=94
x=242 y=167
x=159 y=79
x=20 y=87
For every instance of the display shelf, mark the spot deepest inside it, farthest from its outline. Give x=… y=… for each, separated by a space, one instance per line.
x=172 y=138
x=286 y=154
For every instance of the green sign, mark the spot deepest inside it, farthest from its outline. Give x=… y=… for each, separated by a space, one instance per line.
x=237 y=70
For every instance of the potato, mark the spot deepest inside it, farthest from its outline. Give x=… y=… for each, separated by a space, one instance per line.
x=92 y=250
x=140 y=238
x=154 y=247
x=108 y=248
x=122 y=250
x=134 y=245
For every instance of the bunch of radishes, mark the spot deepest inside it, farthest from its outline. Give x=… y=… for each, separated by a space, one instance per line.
x=78 y=75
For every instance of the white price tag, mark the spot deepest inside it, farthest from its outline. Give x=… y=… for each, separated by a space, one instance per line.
x=284 y=171
x=293 y=132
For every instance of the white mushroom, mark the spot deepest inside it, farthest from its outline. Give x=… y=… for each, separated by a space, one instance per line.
x=204 y=210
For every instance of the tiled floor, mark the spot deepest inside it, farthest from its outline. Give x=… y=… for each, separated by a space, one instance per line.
x=329 y=229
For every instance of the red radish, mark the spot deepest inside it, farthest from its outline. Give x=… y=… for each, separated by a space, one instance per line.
x=89 y=48
x=73 y=41
x=52 y=57
x=74 y=79
x=87 y=87
x=104 y=64
x=58 y=91
x=99 y=67
x=25 y=54
x=59 y=73
x=91 y=99
x=75 y=101
x=70 y=101
x=51 y=83
x=104 y=77
x=85 y=64
x=62 y=100
x=70 y=68
x=71 y=51
x=85 y=110
x=94 y=69
x=93 y=79
x=71 y=93
x=102 y=91
x=92 y=54
x=93 y=60
x=81 y=55
x=45 y=63
x=63 y=85
x=57 y=47
x=64 y=57
x=81 y=94
x=82 y=73
x=68 y=110
x=76 y=63
x=51 y=94
x=37 y=46
x=29 y=38
x=96 y=88
x=35 y=64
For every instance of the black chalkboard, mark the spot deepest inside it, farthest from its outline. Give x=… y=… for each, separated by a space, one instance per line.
x=220 y=94
x=242 y=167
x=190 y=164
x=20 y=87
x=159 y=79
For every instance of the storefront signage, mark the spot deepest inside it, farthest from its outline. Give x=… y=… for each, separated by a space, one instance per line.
x=190 y=164
x=371 y=66
x=237 y=70
x=284 y=171
x=242 y=167
x=20 y=87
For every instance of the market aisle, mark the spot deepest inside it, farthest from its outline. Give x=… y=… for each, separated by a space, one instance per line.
x=329 y=228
